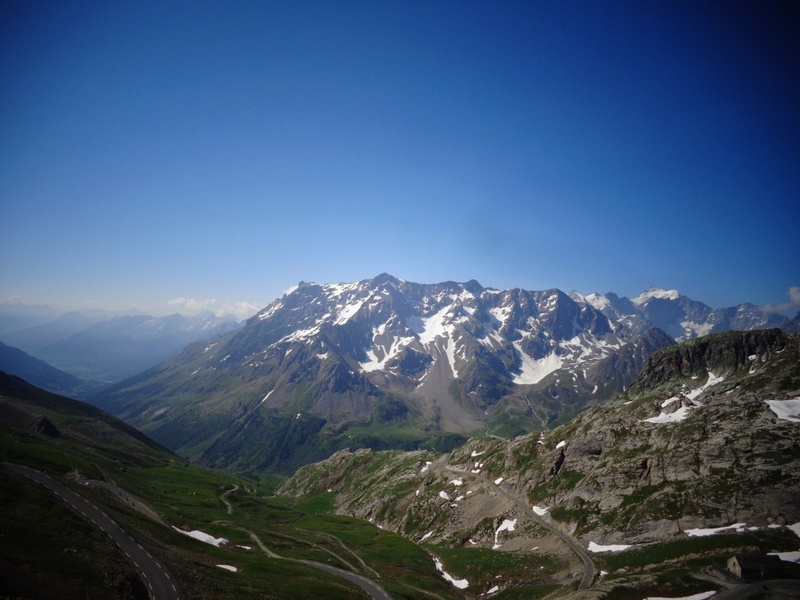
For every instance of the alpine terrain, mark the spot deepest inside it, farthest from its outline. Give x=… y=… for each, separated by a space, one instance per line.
x=386 y=363
x=704 y=444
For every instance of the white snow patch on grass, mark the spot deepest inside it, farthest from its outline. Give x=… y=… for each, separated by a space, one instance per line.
x=203 y=537
x=426 y=467
x=230 y=568
x=700 y=596
x=593 y=547
x=561 y=444
x=459 y=583
x=738 y=527
x=444 y=496
x=541 y=510
x=498 y=481
x=786 y=410
x=458 y=482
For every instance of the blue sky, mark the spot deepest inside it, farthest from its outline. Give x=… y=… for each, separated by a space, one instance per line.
x=158 y=151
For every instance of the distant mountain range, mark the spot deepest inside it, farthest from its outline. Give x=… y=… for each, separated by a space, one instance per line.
x=679 y=316
x=15 y=362
x=100 y=348
x=389 y=363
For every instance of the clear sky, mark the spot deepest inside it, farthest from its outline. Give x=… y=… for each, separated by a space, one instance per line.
x=158 y=151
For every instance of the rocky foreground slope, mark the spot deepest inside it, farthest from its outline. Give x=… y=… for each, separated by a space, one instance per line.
x=708 y=436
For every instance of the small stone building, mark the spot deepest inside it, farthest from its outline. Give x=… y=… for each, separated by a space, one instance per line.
x=755 y=567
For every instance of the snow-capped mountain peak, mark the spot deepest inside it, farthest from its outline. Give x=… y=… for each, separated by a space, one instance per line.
x=679 y=316
x=421 y=339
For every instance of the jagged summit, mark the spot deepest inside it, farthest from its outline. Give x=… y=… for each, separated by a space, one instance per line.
x=679 y=316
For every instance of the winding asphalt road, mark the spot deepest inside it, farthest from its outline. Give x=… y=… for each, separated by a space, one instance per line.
x=159 y=582
x=365 y=583
x=369 y=586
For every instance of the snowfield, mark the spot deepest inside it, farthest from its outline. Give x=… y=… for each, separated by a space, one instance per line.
x=203 y=537
x=459 y=583
x=593 y=547
x=738 y=527
x=506 y=525
x=700 y=596
x=684 y=411
x=786 y=410
x=533 y=371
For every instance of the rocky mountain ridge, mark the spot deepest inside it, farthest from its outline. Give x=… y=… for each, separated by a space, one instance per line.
x=707 y=437
x=679 y=316
x=402 y=362
x=447 y=358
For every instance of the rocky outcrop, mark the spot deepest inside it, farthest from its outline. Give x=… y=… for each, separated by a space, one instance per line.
x=727 y=352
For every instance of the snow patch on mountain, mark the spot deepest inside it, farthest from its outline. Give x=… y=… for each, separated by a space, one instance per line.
x=435 y=326
x=506 y=525
x=711 y=381
x=202 y=536
x=786 y=410
x=459 y=583
x=348 y=311
x=595 y=547
x=532 y=370
x=688 y=404
x=737 y=527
